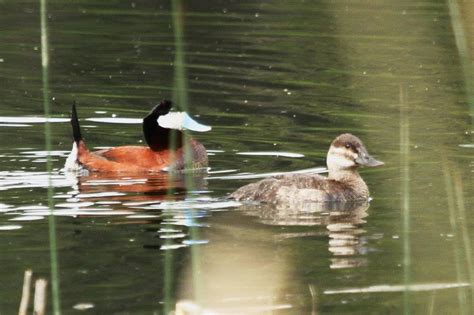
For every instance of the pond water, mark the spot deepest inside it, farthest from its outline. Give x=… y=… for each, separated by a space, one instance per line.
x=269 y=76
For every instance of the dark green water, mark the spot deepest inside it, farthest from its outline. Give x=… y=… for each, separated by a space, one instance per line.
x=268 y=76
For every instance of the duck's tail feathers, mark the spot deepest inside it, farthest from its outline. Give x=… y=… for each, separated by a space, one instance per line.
x=76 y=129
x=72 y=163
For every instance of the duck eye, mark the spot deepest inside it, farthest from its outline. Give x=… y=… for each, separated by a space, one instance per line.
x=348 y=145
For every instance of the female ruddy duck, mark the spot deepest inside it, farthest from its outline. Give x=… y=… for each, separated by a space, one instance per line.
x=158 y=127
x=343 y=184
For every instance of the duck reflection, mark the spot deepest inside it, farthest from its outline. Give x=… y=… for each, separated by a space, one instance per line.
x=250 y=268
x=343 y=222
x=138 y=188
x=239 y=270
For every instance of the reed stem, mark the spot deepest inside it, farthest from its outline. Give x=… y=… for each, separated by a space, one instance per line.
x=47 y=134
x=181 y=95
x=458 y=191
x=405 y=196
x=455 y=231
x=463 y=51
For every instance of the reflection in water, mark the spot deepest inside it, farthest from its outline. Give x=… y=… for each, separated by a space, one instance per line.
x=345 y=232
x=143 y=187
x=248 y=269
x=343 y=222
x=239 y=273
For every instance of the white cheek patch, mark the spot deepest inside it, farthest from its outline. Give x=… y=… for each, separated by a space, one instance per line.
x=341 y=158
x=180 y=121
x=339 y=162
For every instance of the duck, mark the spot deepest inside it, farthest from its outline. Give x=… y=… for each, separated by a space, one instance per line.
x=343 y=183
x=159 y=156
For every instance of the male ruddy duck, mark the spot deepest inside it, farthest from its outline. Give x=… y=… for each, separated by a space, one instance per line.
x=343 y=184
x=158 y=127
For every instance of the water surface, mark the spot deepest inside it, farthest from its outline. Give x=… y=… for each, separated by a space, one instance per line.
x=272 y=77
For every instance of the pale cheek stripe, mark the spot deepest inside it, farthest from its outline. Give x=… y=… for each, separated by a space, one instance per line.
x=340 y=157
x=339 y=161
x=342 y=152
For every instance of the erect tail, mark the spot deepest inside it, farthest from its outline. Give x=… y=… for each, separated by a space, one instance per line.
x=72 y=162
x=76 y=129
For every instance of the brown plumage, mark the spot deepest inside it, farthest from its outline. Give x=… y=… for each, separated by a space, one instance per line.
x=343 y=184
x=159 y=155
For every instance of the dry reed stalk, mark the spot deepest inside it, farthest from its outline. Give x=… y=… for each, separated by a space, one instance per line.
x=40 y=297
x=25 y=294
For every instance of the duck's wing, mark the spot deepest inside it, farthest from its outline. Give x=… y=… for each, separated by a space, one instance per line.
x=263 y=189
x=123 y=159
x=303 y=181
x=271 y=189
x=314 y=188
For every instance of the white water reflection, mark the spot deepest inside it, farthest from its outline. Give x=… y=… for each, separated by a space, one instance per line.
x=203 y=204
x=172 y=246
x=222 y=171
x=400 y=288
x=14 y=125
x=75 y=204
x=142 y=216
x=10 y=227
x=35 y=154
x=23 y=180
x=273 y=153
x=24 y=121
x=31 y=120
x=4 y=207
x=178 y=235
x=83 y=306
x=116 y=120
x=313 y=170
x=27 y=218
x=77 y=212
x=191 y=307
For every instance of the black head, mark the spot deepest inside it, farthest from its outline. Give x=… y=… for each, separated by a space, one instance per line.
x=157 y=137
x=161 y=109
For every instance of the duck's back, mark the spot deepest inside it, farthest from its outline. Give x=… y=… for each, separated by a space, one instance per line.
x=286 y=188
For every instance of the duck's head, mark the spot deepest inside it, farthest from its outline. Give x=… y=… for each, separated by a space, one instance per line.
x=348 y=152
x=158 y=124
x=161 y=116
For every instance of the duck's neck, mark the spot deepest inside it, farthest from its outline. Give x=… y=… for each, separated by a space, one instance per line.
x=157 y=137
x=350 y=178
